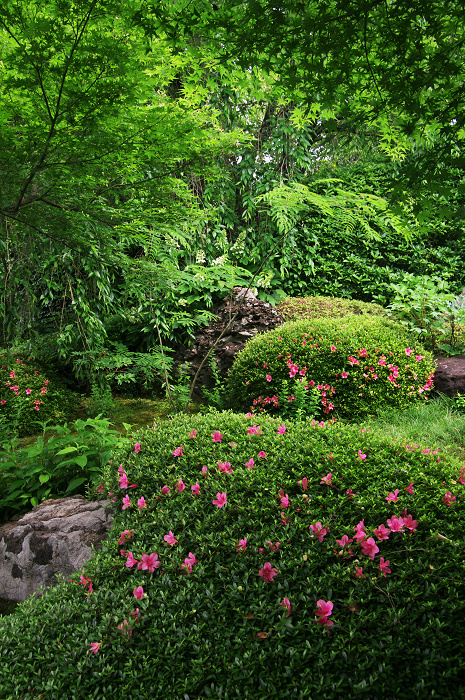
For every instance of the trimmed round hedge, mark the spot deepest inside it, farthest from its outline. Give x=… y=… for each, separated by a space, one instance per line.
x=28 y=396
x=359 y=364
x=228 y=587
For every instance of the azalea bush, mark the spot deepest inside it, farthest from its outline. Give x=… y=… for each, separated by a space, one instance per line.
x=359 y=364
x=28 y=397
x=258 y=558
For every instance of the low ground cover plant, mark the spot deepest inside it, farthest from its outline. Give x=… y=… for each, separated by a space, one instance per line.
x=65 y=461
x=28 y=396
x=258 y=559
x=359 y=364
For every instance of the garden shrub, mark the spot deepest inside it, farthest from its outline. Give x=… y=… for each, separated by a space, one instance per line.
x=360 y=364
x=29 y=397
x=254 y=560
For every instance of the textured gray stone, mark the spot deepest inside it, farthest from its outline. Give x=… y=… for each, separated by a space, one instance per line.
x=56 y=537
x=254 y=316
x=449 y=376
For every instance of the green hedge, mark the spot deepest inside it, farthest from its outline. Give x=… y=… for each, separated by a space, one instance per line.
x=360 y=364
x=221 y=630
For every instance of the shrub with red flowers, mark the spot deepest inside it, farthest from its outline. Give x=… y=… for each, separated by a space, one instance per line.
x=28 y=395
x=268 y=580
x=358 y=364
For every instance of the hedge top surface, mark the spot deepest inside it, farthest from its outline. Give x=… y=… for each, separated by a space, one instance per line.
x=256 y=559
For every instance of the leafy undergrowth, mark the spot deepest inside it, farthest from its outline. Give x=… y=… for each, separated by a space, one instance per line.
x=228 y=573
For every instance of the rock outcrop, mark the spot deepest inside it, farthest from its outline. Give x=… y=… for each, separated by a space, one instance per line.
x=56 y=537
x=254 y=316
x=449 y=377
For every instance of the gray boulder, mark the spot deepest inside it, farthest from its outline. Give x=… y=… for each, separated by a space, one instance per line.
x=56 y=537
x=449 y=377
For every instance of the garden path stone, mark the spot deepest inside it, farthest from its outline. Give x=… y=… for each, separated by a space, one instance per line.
x=56 y=537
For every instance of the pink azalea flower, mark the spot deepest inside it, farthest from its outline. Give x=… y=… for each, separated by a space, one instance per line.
x=204 y=470
x=170 y=538
x=359 y=572
x=28 y=391
x=193 y=434
x=141 y=502
x=284 y=520
x=125 y=535
x=242 y=546
x=268 y=572
x=2 y=401
x=344 y=541
x=418 y=357
x=333 y=348
x=136 y=615
x=12 y=375
x=195 y=488
x=225 y=467
x=250 y=464
x=392 y=496
x=349 y=493
x=325 y=608
x=327 y=479
x=262 y=455
x=268 y=377
x=138 y=592
x=178 y=451
x=123 y=481
x=304 y=483
x=273 y=547
x=149 y=562
x=180 y=485
x=369 y=548
x=187 y=565
x=408 y=352
x=410 y=524
x=220 y=500
x=95 y=646
x=409 y=488
x=217 y=436
x=136 y=448
x=126 y=502
x=396 y=524
x=281 y=429
x=166 y=489
x=319 y=531
x=284 y=502
x=449 y=498
x=192 y=558
x=382 y=533
x=361 y=455
x=130 y=562
x=285 y=603
x=43 y=390
x=384 y=566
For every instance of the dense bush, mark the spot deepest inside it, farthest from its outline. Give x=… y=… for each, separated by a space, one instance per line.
x=290 y=589
x=28 y=396
x=360 y=364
